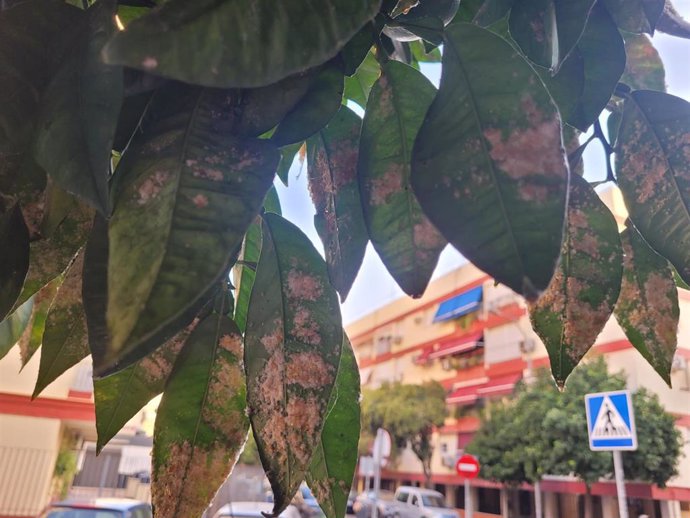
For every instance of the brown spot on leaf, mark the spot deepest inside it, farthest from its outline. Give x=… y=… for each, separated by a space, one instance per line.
x=303 y=286
x=151 y=187
x=303 y=424
x=232 y=344
x=308 y=370
x=305 y=327
x=390 y=183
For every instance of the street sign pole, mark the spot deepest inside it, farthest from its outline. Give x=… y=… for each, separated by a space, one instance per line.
x=378 y=453
x=620 y=484
x=469 y=512
x=467 y=467
x=611 y=427
x=537 y=499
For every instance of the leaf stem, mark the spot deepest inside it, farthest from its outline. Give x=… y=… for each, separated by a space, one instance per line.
x=599 y=134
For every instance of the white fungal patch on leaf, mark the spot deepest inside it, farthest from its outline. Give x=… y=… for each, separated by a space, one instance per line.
x=308 y=370
x=303 y=286
x=151 y=187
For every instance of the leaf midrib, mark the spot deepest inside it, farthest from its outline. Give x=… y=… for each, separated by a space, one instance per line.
x=485 y=150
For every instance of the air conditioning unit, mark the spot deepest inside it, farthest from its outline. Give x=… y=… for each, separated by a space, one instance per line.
x=679 y=363
x=397 y=339
x=450 y=459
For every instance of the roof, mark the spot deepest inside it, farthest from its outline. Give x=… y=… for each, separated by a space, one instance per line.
x=420 y=490
x=115 y=504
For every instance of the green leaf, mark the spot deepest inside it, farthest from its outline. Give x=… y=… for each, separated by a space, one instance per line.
x=483 y=12
x=654 y=172
x=79 y=112
x=332 y=469
x=43 y=30
x=679 y=282
x=332 y=167
x=420 y=54
x=573 y=310
x=32 y=337
x=635 y=15
x=65 y=339
x=245 y=268
x=358 y=86
x=201 y=423
x=14 y=261
x=647 y=308
x=318 y=105
x=357 y=49
x=120 y=396
x=287 y=157
x=293 y=342
x=548 y=30
x=13 y=326
x=488 y=166
x=187 y=195
x=584 y=84
x=644 y=69
x=406 y=241
x=238 y=43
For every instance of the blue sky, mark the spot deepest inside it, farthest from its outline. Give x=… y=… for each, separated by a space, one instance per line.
x=374 y=287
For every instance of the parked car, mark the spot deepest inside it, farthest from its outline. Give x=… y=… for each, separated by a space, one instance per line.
x=416 y=502
x=351 y=501
x=98 y=508
x=364 y=504
x=253 y=510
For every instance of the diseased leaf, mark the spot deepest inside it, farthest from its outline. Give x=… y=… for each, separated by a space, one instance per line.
x=13 y=326
x=679 y=282
x=65 y=340
x=670 y=22
x=50 y=256
x=548 y=30
x=120 y=396
x=644 y=69
x=201 y=423
x=635 y=15
x=241 y=43
x=14 y=260
x=358 y=86
x=584 y=84
x=404 y=238
x=573 y=310
x=79 y=112
x=187 y=195
x=488 y=163
x=32 y=337
x=653 y=148
x=647 y=308
x=293 y=342
x=318 y=105
x=332 y=167
x=332 y=469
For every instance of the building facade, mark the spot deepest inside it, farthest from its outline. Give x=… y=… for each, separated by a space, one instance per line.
x=475 y=338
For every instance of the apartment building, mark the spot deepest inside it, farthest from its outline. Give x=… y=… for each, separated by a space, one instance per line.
x=474 y=337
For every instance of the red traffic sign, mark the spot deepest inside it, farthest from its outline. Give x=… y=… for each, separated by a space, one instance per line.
x=467 y=466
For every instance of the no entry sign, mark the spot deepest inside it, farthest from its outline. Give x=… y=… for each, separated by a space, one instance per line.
x=467 y=466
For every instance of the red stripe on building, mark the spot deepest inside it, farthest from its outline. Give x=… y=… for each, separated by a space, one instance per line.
x=17 y=404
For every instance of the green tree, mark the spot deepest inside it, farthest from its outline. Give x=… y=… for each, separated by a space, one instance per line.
x=541 y=430
x=409 y=413
x=138 y=147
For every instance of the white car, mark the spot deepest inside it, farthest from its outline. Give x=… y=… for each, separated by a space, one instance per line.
x=253 y=510
x=416 y=502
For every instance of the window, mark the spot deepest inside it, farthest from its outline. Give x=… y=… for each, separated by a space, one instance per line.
x=414 y=501
x=143 y=511
x=433 y=501
x=402 y=497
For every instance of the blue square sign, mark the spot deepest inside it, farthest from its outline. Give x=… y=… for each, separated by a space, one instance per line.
x=610 y=421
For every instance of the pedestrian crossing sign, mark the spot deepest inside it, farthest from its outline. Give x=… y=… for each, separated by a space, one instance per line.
x=610 y=421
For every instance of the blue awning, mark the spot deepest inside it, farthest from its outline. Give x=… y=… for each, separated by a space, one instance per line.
x=459 y=305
